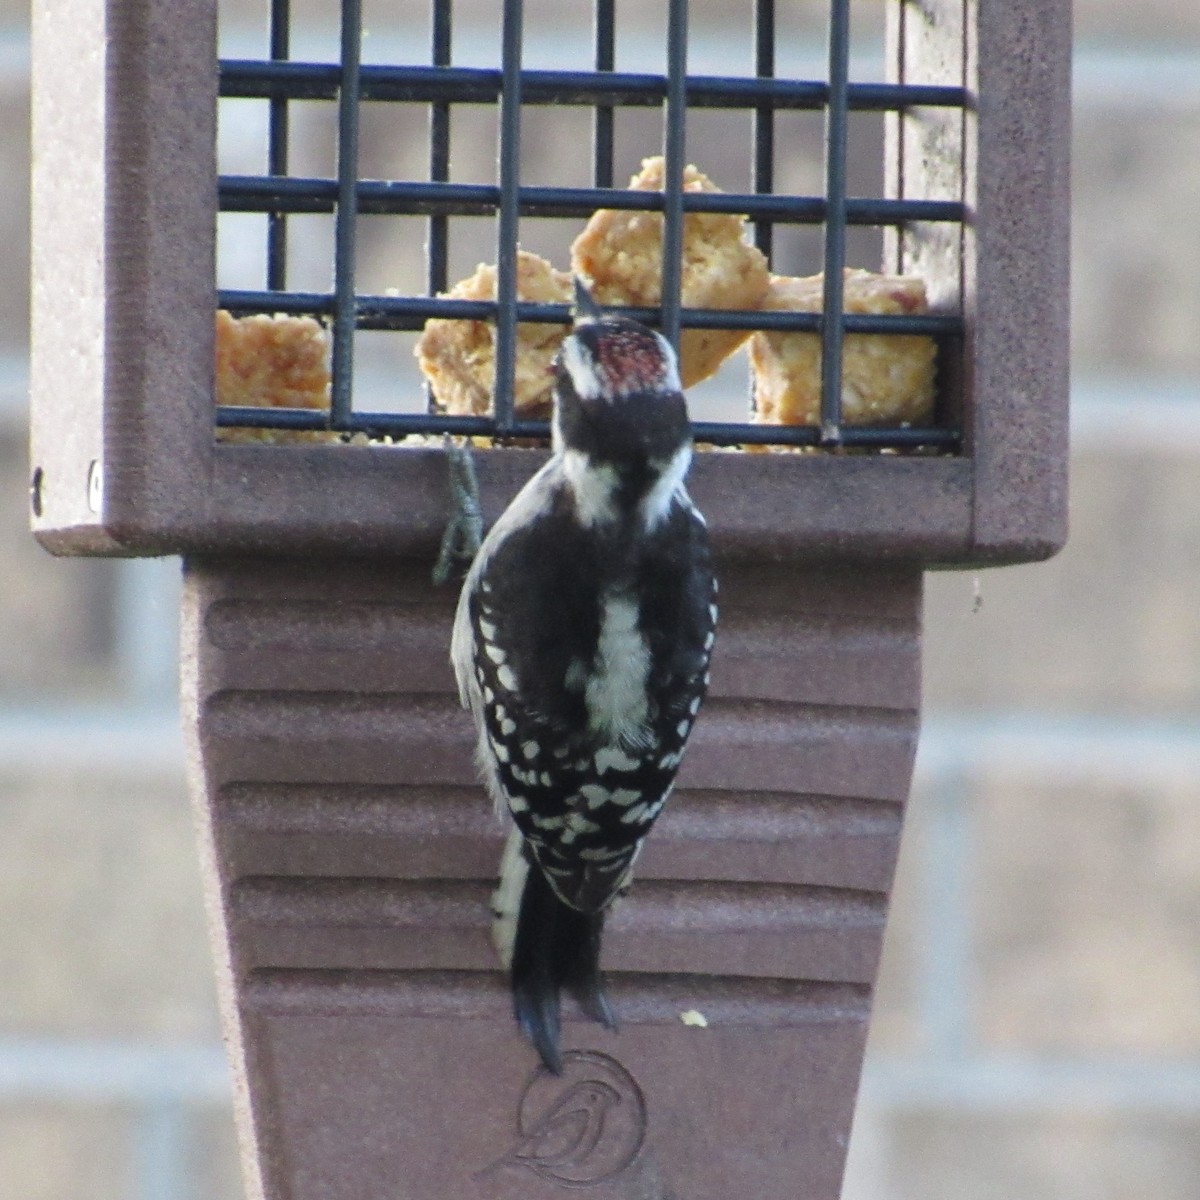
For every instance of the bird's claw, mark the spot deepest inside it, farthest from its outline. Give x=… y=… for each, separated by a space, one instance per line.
x=464 y=529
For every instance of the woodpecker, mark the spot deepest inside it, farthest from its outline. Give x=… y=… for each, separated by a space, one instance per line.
x=581 y=646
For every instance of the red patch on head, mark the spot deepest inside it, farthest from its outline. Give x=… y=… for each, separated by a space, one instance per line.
x=631 y=360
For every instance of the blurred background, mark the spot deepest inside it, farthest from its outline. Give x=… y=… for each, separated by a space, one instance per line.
x=1037 y=1034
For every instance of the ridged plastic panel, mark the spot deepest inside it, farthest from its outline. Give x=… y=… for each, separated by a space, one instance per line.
x=352 y=854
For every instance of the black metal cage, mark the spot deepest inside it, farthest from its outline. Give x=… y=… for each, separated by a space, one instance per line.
x=966 y=190
x=431 y=79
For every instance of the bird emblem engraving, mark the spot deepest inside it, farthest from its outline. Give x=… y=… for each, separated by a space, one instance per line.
x=581 y=1128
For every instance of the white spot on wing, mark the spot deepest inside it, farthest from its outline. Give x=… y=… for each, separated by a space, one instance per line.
x=507 y=678
x=494 y=653
x=635 y=815
x=602 y=852
x=594 y=794
x=613 y=758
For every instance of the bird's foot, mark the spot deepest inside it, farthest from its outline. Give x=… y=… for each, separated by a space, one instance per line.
x=464 y=529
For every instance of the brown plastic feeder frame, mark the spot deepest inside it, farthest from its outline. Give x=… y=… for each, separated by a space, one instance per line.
x=350 y=851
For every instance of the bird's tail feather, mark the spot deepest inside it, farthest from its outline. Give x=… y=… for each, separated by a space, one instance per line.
x=506 y=899
x=579 y=947
x=556 y=948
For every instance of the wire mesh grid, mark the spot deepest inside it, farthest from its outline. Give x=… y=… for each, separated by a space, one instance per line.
x=511 y=88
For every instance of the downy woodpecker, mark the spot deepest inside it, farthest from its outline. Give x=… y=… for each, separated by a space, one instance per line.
x=581 y=646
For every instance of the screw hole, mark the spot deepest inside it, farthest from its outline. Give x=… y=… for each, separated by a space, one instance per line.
x=35 y=490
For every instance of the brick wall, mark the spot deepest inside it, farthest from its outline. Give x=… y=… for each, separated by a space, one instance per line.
x=1037 y=1028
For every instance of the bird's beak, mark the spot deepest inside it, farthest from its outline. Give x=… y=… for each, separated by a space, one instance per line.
x=586 y=309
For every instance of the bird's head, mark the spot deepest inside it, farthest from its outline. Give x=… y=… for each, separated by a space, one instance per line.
x=618 y=399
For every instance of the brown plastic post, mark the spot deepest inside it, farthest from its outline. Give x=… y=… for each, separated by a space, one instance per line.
x=351 y=854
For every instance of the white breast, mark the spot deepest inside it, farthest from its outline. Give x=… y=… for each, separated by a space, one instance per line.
x=616 y=692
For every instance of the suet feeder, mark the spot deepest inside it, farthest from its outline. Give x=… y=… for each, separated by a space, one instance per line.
x=350 y=850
